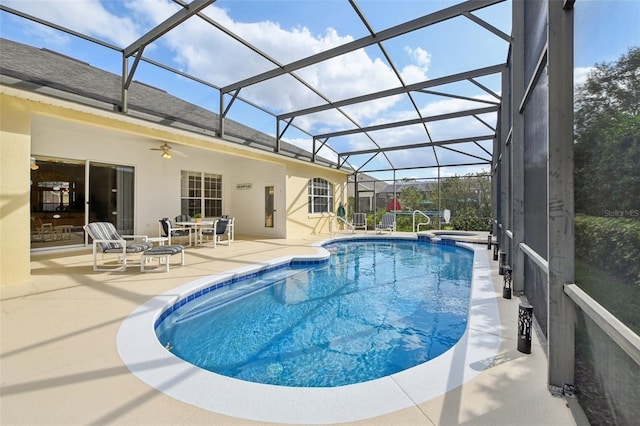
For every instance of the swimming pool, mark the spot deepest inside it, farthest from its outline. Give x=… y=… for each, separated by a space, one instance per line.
x=147 y=358
x=374 y=308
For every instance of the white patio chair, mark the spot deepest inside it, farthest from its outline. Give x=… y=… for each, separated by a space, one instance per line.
x=168 y=231
x=388 y=223
x=107 y=240
x=219 y=228
x=360 y=221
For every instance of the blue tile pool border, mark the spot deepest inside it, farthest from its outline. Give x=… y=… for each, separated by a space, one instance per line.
x=215 y=285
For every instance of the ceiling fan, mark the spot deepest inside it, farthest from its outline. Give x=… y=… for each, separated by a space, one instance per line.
x=167 y=151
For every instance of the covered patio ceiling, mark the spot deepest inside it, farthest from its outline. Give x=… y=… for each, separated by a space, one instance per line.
x=378 y=86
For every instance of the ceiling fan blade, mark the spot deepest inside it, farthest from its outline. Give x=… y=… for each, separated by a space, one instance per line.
x=163 y=147
x=168 y=151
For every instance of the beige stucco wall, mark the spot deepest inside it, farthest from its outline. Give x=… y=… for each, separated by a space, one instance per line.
x=34 y=124
x=14 y=191
x=158 y=181
x=299 y=221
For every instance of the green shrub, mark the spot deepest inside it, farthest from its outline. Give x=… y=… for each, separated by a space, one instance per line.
x=617 y=296
x=468 y=220
x=405 y=223
x=374 y=218
x=610 y=244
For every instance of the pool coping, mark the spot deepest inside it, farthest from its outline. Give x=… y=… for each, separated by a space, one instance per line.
x=146 y=358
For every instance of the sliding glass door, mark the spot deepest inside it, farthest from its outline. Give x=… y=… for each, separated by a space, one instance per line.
x=111 y=195
x=61 y=199
x=57 y=202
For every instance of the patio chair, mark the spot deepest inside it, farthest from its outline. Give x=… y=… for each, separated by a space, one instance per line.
x=219 y=228
x=360 y=221
x=230 y=226
x=388 y=223
x=183 y=218
x=107 y=240
x=42 y=231
x=168 y=231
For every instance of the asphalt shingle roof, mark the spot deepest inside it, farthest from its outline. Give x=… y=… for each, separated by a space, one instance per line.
x=36 y=69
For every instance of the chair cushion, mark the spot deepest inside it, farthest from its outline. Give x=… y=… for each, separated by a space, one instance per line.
x=221 y=228
x=165 y=224
x=104 y=231
x=160 y=250
x=130 y=248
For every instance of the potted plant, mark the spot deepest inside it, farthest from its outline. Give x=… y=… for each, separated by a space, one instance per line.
x=197 y=217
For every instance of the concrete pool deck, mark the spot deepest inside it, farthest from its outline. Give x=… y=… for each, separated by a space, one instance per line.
x=60 y=363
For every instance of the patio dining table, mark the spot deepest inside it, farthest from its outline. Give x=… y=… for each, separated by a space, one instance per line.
x=197 y=227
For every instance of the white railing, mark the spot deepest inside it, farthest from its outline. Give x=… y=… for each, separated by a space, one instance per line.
x=612 y=326
x=537 y=259
x=421 y=223
x=349 y=224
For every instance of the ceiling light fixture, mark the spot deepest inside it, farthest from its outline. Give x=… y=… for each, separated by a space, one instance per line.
x=166 y=155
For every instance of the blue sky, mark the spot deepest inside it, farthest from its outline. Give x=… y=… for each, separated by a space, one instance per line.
x=291 y=29
x=604 y=30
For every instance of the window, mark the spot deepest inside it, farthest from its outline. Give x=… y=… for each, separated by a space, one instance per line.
x=201 y=193
x=320 y=196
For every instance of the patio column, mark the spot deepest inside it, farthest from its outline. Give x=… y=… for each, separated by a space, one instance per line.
x=560 y=193
x=15 y=172
x=516 y=145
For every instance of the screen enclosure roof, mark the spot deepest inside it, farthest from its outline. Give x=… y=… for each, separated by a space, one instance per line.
x=372 y=86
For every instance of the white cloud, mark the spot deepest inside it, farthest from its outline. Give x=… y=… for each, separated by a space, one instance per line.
x=417 y=71
x=85 y=16
x=203 y=51
x=580 y=75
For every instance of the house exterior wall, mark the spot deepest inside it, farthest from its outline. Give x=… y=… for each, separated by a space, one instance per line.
x=299 y=221
x=14 y=191
x=37 y=125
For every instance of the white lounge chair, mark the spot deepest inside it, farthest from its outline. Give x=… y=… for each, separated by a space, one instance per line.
x=360 y=221
x=107 y=240
x=388 y=223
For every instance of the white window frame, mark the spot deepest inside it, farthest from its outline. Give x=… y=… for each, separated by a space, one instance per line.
x=320 y=196
x=200 y=196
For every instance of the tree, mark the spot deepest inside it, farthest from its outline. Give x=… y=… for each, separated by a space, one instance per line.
x=462 y=193
x=607 y=144
x=610 y=90
x=411 y=198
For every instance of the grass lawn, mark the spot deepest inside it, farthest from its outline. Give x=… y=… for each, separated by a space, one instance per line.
x=619 y=298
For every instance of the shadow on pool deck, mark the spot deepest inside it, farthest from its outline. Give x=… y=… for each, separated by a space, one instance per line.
x=60 y=365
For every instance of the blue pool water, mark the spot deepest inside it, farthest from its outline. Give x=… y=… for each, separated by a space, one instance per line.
x=376 y=307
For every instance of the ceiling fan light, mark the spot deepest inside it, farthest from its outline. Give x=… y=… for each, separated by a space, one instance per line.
x=166 y=155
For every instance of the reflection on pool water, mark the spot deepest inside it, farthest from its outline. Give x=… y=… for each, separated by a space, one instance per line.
x=375 y=308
